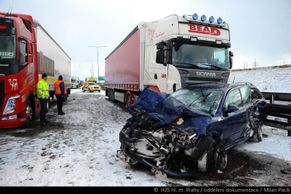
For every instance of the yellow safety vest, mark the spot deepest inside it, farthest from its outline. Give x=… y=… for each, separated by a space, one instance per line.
x=42 y=90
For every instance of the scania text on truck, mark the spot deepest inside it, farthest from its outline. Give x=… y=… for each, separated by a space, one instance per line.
x=26 y=51
x=168 y=54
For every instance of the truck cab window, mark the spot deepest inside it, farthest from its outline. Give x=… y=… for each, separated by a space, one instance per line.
x=23 y=53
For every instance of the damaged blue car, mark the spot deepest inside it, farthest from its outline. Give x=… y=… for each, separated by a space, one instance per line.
x=195 y=126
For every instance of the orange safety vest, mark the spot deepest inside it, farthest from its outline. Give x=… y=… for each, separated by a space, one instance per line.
x=58 y=87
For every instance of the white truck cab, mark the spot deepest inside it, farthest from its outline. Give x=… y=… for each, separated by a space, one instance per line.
x=184 y=50
x=168 y=54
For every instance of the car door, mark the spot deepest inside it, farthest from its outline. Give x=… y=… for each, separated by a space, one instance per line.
x=233 y=123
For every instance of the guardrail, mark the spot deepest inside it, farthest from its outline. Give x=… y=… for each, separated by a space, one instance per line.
x=278 y=110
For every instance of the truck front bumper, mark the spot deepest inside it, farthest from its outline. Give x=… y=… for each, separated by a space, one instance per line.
x=9 y=124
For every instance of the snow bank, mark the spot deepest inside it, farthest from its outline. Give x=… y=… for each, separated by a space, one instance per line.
x=267 y=79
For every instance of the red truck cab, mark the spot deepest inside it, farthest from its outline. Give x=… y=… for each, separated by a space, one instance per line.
x=18 y=70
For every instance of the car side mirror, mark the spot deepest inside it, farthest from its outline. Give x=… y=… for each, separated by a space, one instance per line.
x=232 y=108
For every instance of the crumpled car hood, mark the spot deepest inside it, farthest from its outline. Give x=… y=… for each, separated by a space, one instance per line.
x=165 y=109
x=198 y=124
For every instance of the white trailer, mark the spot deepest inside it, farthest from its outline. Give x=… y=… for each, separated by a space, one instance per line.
x=52 y=59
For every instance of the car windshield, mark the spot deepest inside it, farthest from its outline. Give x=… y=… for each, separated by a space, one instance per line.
x=92 y=84
x=200 y=56
x=201 y=99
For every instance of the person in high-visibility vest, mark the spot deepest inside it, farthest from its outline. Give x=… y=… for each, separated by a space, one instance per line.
x=43 y=96
x=60 y=92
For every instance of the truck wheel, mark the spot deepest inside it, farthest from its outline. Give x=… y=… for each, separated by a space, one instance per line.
x=130 y=99
x=30 y=114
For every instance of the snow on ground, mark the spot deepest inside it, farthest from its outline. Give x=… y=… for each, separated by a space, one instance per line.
x=267 y=79
x=79 y=149
x=277 y=144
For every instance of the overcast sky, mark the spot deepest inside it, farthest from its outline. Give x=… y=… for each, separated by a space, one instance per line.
x=260 y=29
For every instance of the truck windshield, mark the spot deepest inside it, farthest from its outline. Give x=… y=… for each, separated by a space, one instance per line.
x=8 y=62
x=7 y=47
x=200 y=56
x=201 y=99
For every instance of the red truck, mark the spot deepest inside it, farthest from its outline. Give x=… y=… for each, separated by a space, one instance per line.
x=168 y=54
x=26 y=51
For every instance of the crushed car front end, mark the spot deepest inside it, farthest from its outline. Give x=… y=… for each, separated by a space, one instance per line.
x=177 y=134
x=171 y=150
x=166 y=136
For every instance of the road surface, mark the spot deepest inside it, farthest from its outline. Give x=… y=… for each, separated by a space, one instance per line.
x=79 y=149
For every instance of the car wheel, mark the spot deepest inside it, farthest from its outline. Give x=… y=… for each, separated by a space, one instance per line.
x=128 y=159
x=256 y=126
x=220 y=158
x=216 y=160
x=131 y=161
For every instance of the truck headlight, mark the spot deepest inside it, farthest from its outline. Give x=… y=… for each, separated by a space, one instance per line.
x=10 y=105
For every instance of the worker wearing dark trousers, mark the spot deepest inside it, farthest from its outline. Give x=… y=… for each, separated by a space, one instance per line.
x=43 y=111
x=43 y=96
x=60 y=92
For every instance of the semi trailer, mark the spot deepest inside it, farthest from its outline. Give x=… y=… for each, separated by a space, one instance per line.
x=168 y=54
x=26 y=51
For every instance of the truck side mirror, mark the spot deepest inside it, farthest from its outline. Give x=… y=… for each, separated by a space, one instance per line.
x=164 y=55
x=230 y=59
x=29 y=56
x=160 y=45
x=160 y=56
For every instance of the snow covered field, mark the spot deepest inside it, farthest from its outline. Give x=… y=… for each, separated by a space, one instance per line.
x=267 y=79
x=79 y=149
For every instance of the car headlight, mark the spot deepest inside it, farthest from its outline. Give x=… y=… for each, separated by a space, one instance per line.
x=10 y=105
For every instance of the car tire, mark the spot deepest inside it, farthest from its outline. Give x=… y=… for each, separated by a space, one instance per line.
x=128 y=159
x=256 y=126
x=216 y=159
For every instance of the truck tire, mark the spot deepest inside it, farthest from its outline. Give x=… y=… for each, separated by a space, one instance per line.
x=30 y=114
x=130 y=99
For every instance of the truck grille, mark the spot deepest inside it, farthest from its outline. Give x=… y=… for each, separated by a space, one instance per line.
x=1 y=92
